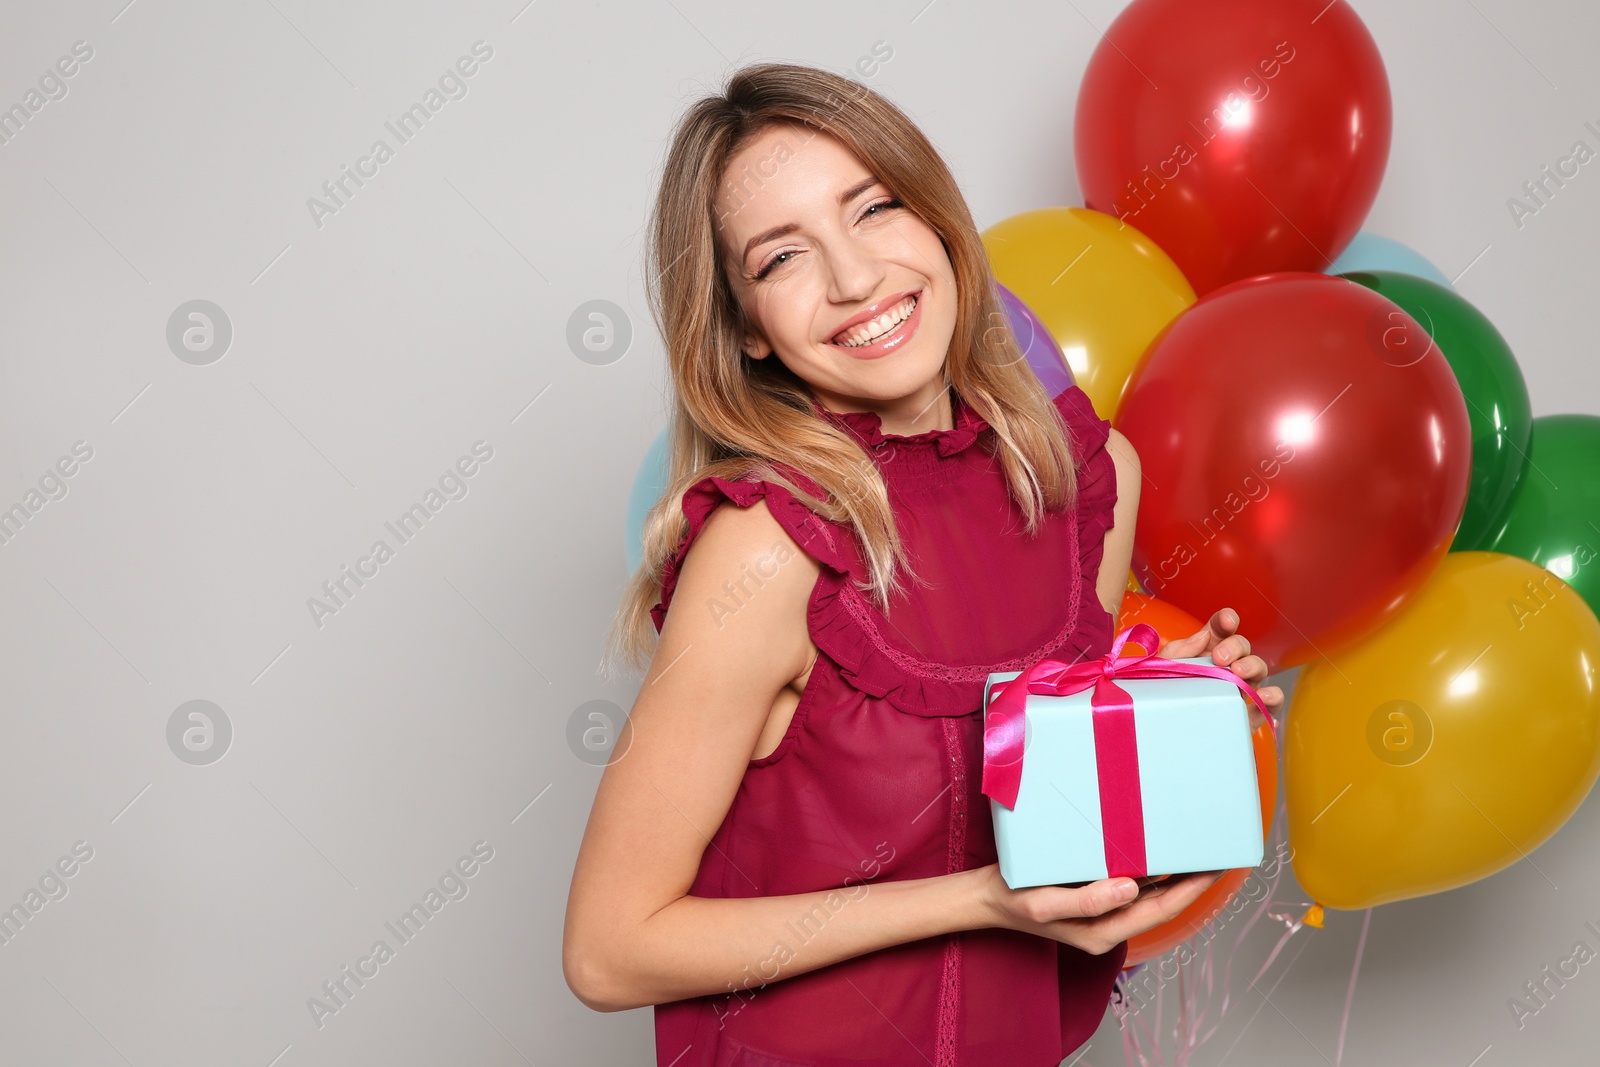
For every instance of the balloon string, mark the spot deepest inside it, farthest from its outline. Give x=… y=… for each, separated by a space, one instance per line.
x=1208 y=973
x=1131 y=1046
x=1191 y=1009
x=1131 y=1035
x=1155 y=1028
x=1255 y=916
x=1294 y=926
x=1263 y=908
x=1349 y=994
x=1180 y=1025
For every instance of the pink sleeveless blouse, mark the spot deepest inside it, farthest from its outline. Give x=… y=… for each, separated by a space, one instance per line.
x=878 y=775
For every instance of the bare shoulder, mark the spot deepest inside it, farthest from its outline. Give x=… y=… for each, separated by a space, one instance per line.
x=738 y=615
x=746 y=567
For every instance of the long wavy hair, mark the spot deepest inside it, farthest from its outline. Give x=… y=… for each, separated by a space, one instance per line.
x=734 y=417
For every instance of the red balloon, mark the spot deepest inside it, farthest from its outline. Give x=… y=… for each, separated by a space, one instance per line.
x=1306 y=456
x=1242 y=136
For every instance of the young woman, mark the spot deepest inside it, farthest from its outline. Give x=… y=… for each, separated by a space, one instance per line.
x=789 y=855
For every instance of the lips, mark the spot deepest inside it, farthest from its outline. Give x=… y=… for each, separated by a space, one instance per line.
x=870 y=312
x=886 y=344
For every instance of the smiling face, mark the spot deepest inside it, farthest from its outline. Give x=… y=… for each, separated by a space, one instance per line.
x=851 y=290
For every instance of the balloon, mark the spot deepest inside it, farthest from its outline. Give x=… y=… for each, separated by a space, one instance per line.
x=1172 y=623
x=1301 y=465
x=649 y=482
x=1491 y=383
x=1043 y=355
x=1368 y=251
x=1101 y=288
x=1169 y=621
x=1243 y=136
x=1449 y=744
x=1554 y=517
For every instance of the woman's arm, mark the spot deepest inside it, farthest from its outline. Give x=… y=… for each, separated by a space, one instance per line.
x=633 y=935
x=1112 y=580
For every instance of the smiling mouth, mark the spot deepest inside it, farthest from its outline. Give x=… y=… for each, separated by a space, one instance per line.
x=883 y=326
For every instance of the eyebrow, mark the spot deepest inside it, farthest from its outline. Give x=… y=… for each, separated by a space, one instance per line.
x=782 y=231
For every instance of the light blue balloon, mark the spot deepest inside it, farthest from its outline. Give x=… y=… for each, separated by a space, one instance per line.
x=1368 y=251
x=648 y=485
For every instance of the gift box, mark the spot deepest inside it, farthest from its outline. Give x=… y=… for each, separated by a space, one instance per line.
x=1117 y=766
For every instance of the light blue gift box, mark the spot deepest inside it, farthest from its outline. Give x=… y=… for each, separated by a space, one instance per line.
x=1197 y=780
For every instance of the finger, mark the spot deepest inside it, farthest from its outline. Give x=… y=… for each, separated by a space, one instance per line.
x=1223 y=623
x=1251 y=668
x=1193 y=645
x=1234 y=648
x=1181 y=883
x=1097 y=898
x=1174 y=881
x=1170 y=884
x=1176 y=893
x=1155 y=906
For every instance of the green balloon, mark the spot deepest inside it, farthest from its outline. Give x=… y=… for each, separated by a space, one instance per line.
x=1491 y=382
x=1554 y=518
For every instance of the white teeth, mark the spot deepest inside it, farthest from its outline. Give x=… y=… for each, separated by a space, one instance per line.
x=867 y=332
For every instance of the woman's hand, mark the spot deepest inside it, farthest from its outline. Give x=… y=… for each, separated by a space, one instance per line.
x=1093 y=917
x=1228 y=648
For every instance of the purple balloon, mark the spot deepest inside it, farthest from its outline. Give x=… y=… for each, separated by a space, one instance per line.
x=1044 y=355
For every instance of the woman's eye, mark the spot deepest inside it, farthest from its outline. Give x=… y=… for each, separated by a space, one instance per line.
x=881 y=206
x=773 y=262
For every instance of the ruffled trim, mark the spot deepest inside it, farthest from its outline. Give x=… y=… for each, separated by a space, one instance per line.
x=844 y=623
x=819 y=538
x=867 y=427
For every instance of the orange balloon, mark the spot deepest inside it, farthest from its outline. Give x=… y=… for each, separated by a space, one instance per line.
x=1173 y=623
x=1170 y=622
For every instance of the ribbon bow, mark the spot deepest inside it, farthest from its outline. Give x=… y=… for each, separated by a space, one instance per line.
x=1004 y=727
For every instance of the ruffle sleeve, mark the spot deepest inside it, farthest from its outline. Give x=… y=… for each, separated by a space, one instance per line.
x=819 y=538
x=1097 y=477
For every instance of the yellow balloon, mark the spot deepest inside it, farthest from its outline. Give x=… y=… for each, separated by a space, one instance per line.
x=1102 y=288
x=1448 y=744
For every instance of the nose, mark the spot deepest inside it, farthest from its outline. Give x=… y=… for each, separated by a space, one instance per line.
x=855 y=272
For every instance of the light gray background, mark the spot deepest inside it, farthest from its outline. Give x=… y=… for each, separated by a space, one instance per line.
x=432 y=711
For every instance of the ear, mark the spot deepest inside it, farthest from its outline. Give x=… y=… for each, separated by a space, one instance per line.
x=754 y=344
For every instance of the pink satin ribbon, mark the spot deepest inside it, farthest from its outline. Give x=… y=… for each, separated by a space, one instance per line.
x=1116 y=748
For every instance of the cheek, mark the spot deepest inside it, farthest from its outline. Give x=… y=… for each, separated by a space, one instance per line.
x=932 y=251
x=931 y=257
x=787 y=311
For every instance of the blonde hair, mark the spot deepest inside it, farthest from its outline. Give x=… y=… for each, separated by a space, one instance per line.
x=734 y=417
